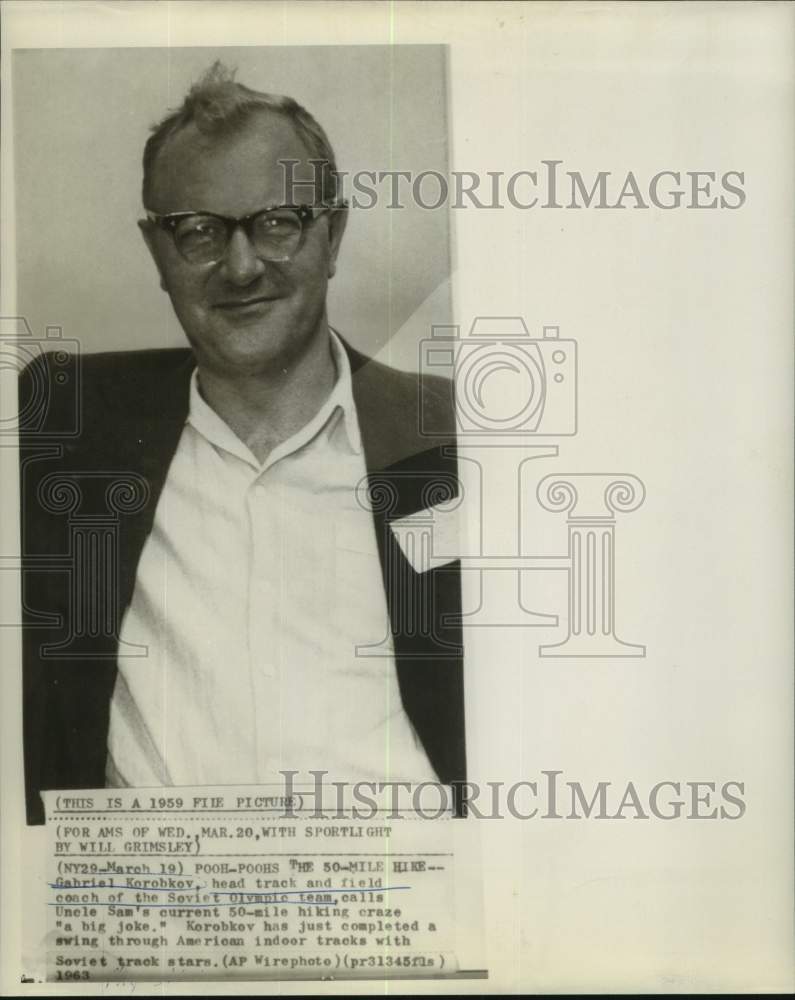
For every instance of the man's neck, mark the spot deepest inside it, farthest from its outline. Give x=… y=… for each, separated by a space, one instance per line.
x=267 y=408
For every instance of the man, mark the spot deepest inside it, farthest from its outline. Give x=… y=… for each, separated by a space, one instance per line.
x=232 y=603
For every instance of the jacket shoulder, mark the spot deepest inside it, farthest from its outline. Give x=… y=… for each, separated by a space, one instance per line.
x=403 y=416
x=425 y=400
x=56 y=386
x=150 y=358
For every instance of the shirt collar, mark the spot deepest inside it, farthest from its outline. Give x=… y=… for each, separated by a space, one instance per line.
x=342 y=393
x=340 y=401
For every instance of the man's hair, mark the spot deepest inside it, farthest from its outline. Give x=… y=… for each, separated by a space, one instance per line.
x=217 y=105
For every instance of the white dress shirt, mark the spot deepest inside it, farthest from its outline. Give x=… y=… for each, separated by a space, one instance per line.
x=254 y=588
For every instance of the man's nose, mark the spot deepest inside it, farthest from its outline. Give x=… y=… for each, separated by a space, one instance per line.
x=241 y=265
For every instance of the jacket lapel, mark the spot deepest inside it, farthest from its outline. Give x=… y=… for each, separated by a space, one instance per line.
x=408 y=473
x=149 y=441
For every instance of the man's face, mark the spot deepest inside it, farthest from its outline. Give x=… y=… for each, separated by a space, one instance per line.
x=242 y=315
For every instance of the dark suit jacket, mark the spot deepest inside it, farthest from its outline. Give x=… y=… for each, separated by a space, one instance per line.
x=98 y=433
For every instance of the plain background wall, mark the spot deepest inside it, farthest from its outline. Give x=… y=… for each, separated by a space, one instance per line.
x=82 y=116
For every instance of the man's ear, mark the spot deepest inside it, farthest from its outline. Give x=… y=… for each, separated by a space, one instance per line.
x=148 y=232
x=338 y=219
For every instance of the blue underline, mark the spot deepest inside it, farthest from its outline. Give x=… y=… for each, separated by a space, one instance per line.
x=222 y=892
x=161 y=875
x=200 y=906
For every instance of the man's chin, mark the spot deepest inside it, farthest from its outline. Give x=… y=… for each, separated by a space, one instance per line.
x=250 y=349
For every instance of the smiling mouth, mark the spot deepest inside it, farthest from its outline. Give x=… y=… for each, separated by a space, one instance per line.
x=240 y=305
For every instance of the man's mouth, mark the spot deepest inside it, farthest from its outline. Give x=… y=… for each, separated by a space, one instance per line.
x=251 y=304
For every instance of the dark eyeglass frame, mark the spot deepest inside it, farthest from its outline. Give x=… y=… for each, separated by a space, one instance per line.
x=168 y=223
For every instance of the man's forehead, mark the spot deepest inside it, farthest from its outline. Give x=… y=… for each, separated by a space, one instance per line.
x=233 y=166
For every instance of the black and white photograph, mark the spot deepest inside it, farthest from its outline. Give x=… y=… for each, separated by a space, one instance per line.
x=237 y=603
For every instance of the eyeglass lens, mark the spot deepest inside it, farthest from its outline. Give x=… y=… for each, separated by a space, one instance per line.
x=274 y=235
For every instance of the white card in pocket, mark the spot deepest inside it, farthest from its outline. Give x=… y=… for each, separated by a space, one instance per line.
x=429 y=538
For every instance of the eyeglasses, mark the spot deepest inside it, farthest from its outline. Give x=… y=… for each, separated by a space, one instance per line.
x=275 y=233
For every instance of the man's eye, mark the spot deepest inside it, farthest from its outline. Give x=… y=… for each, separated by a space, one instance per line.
x=278 y=224
x=199 y=230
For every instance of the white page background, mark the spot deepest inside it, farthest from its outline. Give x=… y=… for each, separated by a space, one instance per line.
x=684 y=326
